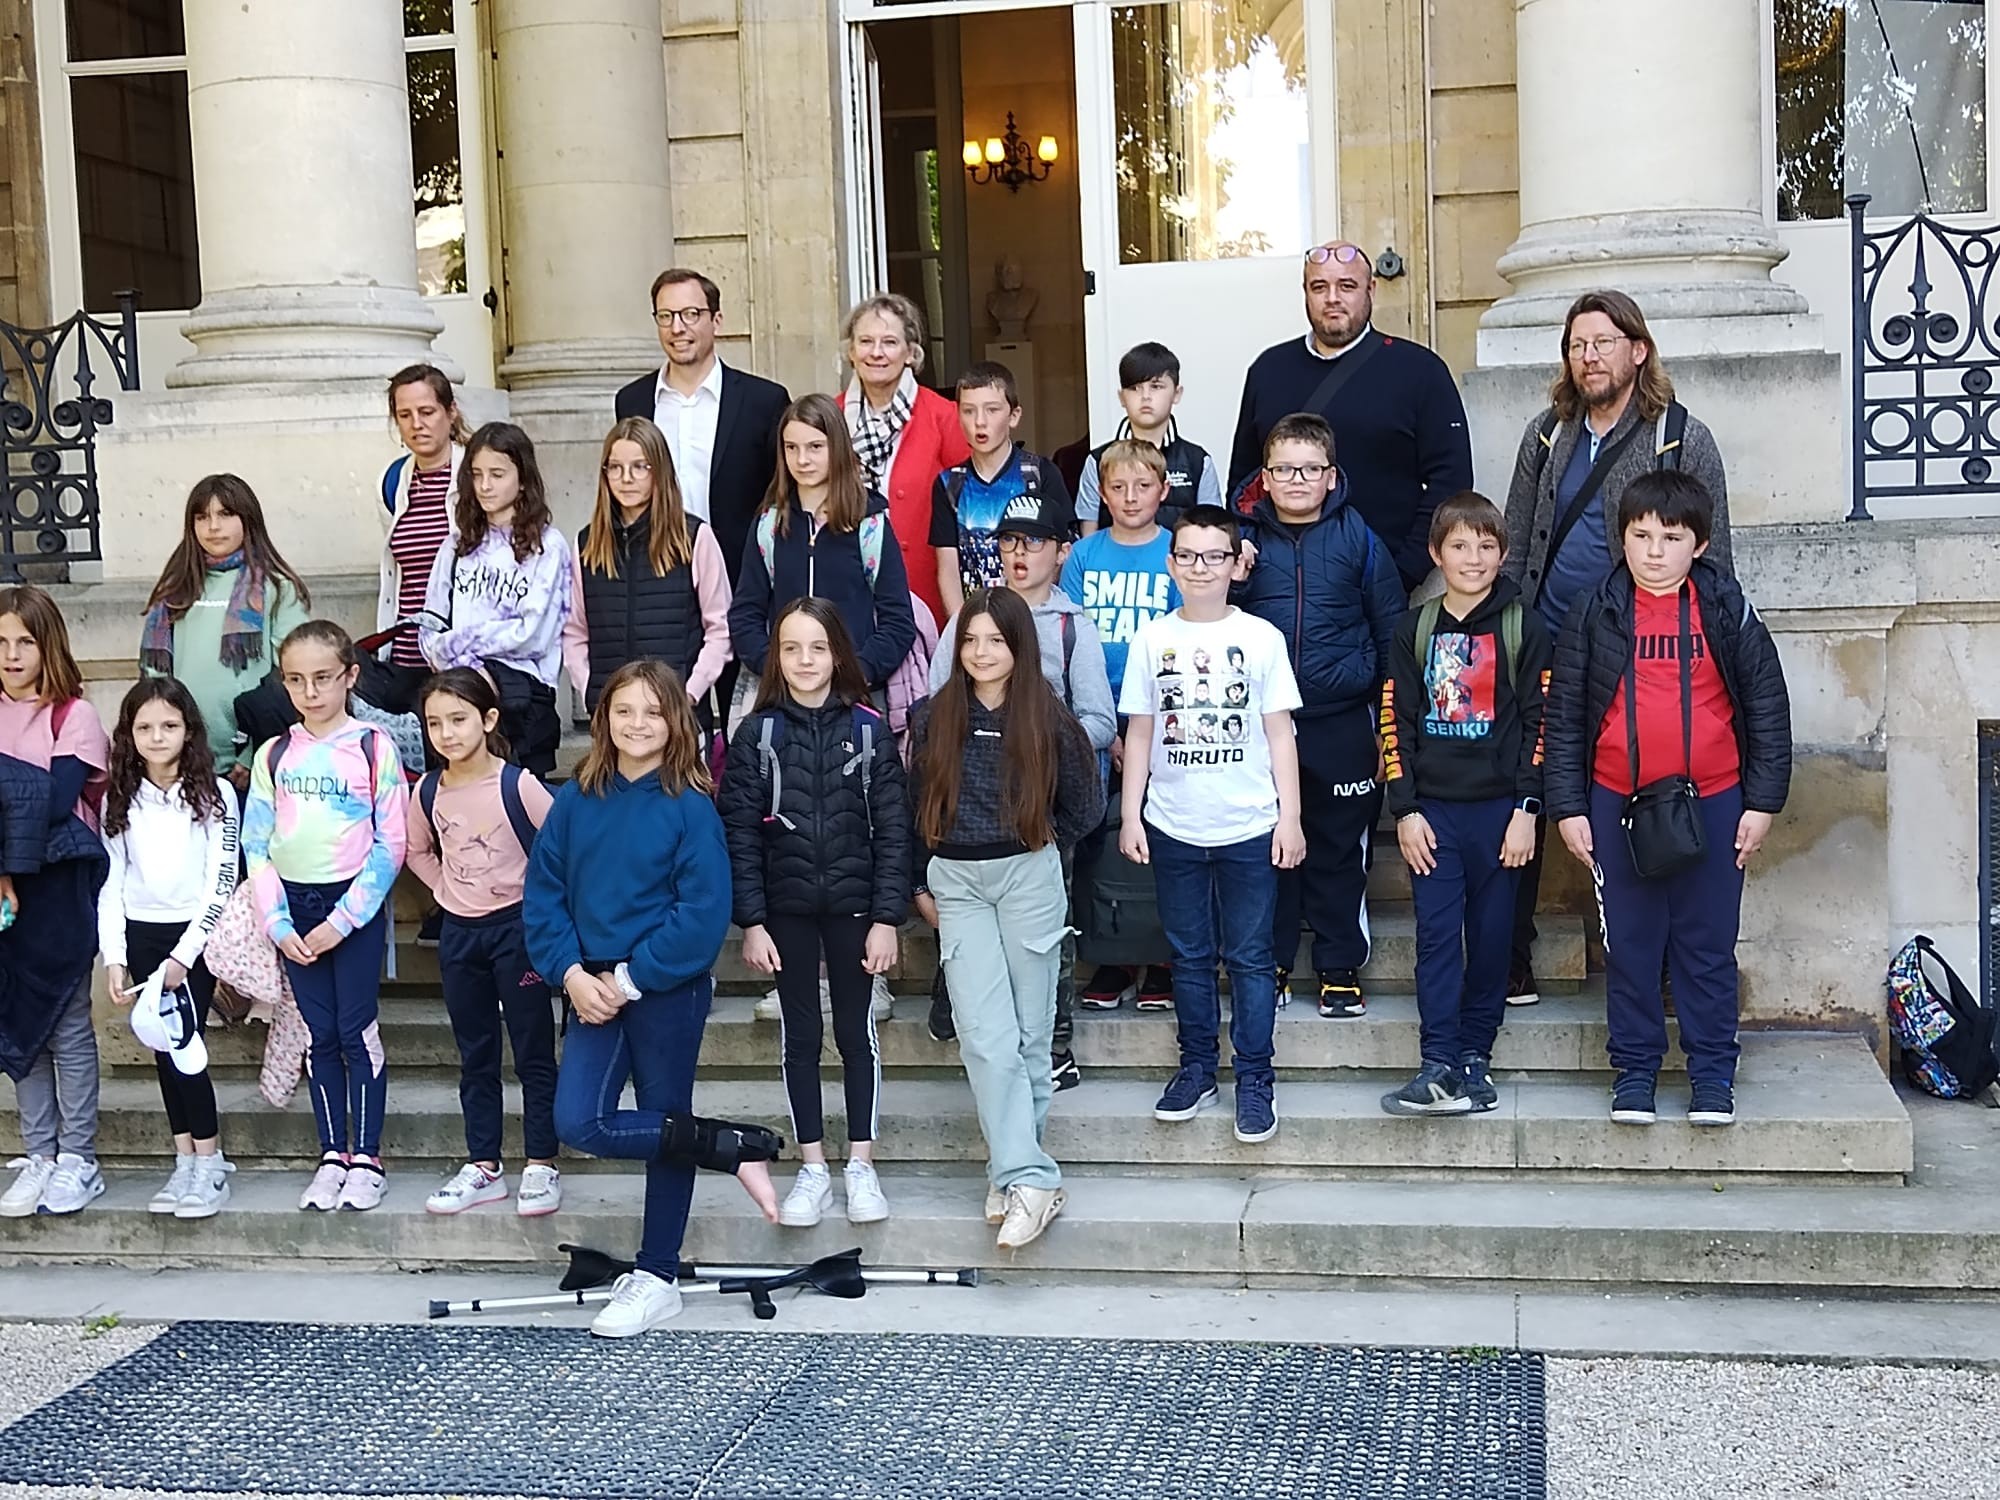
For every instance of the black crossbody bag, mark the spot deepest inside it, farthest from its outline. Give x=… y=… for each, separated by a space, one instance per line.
x=1662 y=819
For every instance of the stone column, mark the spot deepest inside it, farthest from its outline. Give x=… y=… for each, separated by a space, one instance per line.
x=1642 y=144
x=300 y=122
x=582 y=96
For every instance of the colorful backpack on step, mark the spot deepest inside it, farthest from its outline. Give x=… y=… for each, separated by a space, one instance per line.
x=1946 y=1037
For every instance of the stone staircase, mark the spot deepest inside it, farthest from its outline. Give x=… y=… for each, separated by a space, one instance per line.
x=1808 y=1189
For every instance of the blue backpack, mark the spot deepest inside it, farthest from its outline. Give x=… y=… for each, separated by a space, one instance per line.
x=510 y=798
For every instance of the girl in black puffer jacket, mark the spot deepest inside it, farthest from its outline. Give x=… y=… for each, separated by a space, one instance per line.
x=819 y=850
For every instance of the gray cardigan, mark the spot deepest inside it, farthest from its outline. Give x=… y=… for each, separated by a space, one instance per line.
x=1531 y=498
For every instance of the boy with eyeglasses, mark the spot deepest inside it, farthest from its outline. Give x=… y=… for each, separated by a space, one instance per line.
x=1031 y=538
x=1329 y=585
x=1216 y=816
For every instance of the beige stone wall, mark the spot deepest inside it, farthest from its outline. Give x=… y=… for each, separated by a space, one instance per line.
x=1474 y=165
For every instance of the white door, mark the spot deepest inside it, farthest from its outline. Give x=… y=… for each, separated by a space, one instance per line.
x=1196 y=158
x=867 y=254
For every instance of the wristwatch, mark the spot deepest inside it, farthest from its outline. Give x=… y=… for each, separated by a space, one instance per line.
x=1532 y=806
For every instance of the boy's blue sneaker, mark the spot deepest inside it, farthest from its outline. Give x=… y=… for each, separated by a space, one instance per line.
x=1632 y=1097
x=1712 y=1104
x=1475 y=1071
x=1436 y=1090
x=1256 y=1109
x=1188 y=1093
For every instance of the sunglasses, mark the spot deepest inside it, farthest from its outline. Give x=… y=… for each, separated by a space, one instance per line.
x=1319 y=255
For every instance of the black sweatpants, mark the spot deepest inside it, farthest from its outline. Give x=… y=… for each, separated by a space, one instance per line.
x=188 y=1097
x=843 y=940
x=1339 y=804
x=489 y=980
x=1521 y=959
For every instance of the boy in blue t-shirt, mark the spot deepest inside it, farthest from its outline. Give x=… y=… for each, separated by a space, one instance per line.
x=968 y=499
x=1121 y=579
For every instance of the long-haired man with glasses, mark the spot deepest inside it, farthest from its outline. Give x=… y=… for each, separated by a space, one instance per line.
x=1611 y=417
x=1392 y=405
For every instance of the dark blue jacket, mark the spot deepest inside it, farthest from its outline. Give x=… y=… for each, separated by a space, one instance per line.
x=57 y=868
x=1335 y=594
x=630 y=875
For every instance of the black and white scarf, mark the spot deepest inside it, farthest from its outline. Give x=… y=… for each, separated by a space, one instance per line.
x=875 y=432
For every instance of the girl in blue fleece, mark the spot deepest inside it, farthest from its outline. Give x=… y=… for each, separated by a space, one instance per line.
x=627 y=904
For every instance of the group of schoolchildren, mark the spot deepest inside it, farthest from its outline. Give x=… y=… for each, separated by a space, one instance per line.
x=1221 y=694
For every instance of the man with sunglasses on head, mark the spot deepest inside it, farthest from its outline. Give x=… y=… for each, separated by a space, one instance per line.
x=1393 y=406
x=1611 y=417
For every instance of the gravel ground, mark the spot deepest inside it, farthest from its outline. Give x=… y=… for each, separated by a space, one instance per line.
x=1619 y=1429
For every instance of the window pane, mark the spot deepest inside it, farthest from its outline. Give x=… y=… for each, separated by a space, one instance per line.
x=135 y=190
x=1886 y=97
x=426 y=17
x=1213 y=135
x=103 y=29
x=439 y=191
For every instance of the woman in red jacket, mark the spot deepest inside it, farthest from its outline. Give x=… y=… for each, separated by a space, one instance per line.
x=906 y=433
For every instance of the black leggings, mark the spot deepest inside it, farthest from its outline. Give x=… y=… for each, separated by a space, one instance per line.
x=189 y=1097
x=799 y=941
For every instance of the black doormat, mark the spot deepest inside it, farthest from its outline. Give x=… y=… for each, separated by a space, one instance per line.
x=286 y=1410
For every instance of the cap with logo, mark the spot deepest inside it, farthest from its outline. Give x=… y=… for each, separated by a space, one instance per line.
x=1036 y=515
x=164 y=1020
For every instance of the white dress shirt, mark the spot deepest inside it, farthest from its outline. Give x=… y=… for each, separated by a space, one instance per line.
x=688 y=423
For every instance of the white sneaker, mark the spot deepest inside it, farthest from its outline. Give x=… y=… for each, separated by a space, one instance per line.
x=865 y=1203
x=1030 y=1210
x=767 y=1007
x=880 y=1004
x=25 y=1196
x=76 y=1183
x=540 y=1191
x=168 y=1198
x=639 y=1301
x=207 y=1189
x=323 y=1192
x=996 y=1207
x=810 y=1197
x=366 y=1183
x=472 y=1186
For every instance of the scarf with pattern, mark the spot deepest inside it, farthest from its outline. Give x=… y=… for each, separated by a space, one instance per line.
x=874 y=432
x=242 y=628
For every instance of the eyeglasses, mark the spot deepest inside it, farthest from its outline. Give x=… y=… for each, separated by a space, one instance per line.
x=628 y=471
x=686 y=317
x=1014 y=541
x=1205 y=559
x=1286 y=473
x=319 y=682
x=1601 y=347
x=1319 y=255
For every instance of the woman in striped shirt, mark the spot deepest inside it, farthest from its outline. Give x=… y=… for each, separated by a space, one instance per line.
x=416 y=494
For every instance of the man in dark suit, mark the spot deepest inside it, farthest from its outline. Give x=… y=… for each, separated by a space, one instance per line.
x=721 y=423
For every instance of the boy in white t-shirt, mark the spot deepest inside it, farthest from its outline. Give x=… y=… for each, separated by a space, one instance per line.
x=1209 y=690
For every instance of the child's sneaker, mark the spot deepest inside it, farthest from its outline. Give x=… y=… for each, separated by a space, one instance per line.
x=1256 y=1109
x=1712 y=1104
x=431 y=930
x=207 y=1189
x=640 y=1301
x=1475 y=1072
x=1188 y=1093
x=1284 y=983
x=540 y=1191
x=472 y=1186
x=25 y=1196
x=322 y=1194
x=940 y=1023
x=881 y=1005
x=168 y=1198
x=1632 y=1098
x=1340 y=994
x=1156 y=989
x=1107 y=989
x=75 y=1183
x=767 y=1007
x=811 y=1196
x=1436 y=1090
x=996 y=1207
x=366 y=1183
x=1030 y=1210
x=1521 y=988
x=1064 y=1073
x=865 y=1203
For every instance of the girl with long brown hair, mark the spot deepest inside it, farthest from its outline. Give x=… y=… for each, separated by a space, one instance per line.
x=626 y=908
x=224 y=600
x=650 y=579
x=1001 y=776
x=823 y=533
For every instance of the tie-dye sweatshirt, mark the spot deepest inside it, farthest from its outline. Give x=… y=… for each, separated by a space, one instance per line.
x=500 y=610
x=326 y=817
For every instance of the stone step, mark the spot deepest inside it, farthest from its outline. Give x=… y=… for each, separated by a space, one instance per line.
x=1565 y=1033
x=1807 y=1104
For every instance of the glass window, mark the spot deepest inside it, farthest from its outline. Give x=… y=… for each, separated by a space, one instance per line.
x=1213 y=132
x=439 y=188
x=104 y=30
x=1886 y=97
x=426 y=17
x=135 y=190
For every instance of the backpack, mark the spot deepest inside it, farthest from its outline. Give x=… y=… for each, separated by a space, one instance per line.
x=1668 y=435
x=274 y=753
x=771 y=734
x=1946 y=1037
x=1510 y=634
x=93 y=795
x=510 y=798
x=1118 y=907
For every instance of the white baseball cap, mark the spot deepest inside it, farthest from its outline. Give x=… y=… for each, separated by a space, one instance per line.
x=164 y=1020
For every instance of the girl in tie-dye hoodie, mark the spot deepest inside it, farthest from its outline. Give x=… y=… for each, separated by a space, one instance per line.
x=323 y=836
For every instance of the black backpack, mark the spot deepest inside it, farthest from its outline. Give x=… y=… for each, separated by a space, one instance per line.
x=1946 y=1036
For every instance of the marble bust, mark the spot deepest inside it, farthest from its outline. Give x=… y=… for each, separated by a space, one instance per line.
x=1010 y=304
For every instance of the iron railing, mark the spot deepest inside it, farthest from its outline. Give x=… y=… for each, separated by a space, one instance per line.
x=49 y=510
x=1923 y=359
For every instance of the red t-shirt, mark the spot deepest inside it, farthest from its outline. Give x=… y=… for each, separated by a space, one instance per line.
x=414 y=541
x=1715 y=764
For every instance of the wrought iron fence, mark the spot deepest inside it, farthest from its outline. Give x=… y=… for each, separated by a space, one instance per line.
x=1925 y=359
x=49 y=511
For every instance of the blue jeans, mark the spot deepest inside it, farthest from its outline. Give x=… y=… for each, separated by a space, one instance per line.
x=339 y=996
x=654 y=1042
x=1220 y=898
